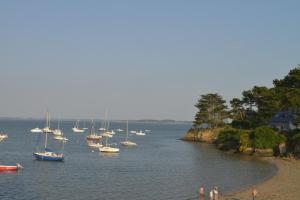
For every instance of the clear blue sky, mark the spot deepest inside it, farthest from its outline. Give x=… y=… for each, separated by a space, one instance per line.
x=139 y=59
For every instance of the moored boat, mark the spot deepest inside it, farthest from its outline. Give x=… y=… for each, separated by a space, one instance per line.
x=94 y=145
x=107 y=149
x=93 y=136
x=127 y=142
x=76 y=128
x=61 y=138
x=140 y=133
x=36 y=130
x=3 y=136
x=47 y=128
x=48 y=156
x=4 y=168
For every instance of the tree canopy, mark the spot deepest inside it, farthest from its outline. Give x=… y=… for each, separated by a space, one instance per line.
x=212 y=110
x=256 y=106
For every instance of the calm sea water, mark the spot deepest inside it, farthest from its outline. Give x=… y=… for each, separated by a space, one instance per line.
x=160 y=167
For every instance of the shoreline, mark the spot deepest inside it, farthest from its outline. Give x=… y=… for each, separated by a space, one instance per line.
x=283 y=185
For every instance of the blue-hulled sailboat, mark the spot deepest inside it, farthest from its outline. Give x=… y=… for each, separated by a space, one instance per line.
x=47 y=154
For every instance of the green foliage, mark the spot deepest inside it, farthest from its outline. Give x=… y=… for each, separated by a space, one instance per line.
x=260 y=104
x=261 y=138
x=237 y=138
x=294 y=141
x=296 y=138
x=244 y=141
x=265 y=138
x=237 y=110
x=211 y=110
x=241 y=124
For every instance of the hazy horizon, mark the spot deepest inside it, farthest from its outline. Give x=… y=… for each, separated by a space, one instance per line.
x=139 y=60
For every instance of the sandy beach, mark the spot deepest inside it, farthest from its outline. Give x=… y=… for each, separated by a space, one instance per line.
x=285 y=185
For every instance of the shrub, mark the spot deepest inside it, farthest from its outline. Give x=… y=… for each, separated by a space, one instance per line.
x=235 y=137
x=241 y=124
x=266 y=138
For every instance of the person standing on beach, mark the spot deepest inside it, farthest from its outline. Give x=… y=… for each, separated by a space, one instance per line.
x=211 y=195
x=201 y=193
x=254 y=193
x=216 y=193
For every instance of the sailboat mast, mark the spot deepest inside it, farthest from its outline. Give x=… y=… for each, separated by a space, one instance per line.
x=126 y=131
x=46 y=125
x=58 y=123
x=48 y=119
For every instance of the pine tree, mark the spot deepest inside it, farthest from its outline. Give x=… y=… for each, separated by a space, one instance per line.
x=211 y=110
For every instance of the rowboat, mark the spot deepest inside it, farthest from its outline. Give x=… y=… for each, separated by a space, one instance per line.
x=4 y=168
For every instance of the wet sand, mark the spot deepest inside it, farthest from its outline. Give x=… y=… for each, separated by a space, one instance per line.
x=285 y=185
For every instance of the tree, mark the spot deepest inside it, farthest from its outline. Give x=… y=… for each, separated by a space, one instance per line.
x=211 y=110
x=288 y=89
x=237 y=110
x=261 y=104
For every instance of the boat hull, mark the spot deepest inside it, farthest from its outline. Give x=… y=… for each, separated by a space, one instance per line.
x=5 y=168
x=41 y=157
x=76 y=130
x=128 y=143
x=93 y=138
x=108 y=150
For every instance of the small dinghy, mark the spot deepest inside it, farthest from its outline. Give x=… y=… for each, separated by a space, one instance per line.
x=5 y=168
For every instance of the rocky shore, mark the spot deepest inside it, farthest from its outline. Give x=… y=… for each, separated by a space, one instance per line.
x=197 y=135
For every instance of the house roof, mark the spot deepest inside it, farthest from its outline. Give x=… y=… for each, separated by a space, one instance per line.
x=283 y=117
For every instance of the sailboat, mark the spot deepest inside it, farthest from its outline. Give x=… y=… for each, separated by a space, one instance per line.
x=76 y=128
x=127 y=142
x=36 y=130
x=140 y=133
x=58 y=134
x=3 y=136
x=61 y=138
x=47 y=154
x=57 y=131
x=93 y=136
x=106 y=148
x=47 y=127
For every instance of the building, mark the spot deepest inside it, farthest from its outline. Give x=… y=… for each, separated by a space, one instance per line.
x=284 y=121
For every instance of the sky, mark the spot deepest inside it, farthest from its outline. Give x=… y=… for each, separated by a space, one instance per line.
x=139 y=59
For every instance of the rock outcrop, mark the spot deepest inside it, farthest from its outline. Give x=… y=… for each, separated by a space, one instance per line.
x=201 y=135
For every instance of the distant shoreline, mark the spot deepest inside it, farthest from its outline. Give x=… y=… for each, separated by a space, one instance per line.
x=116 y=120
x=284 y=185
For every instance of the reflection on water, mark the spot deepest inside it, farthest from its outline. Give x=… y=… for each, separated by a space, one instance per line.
x=160 y=167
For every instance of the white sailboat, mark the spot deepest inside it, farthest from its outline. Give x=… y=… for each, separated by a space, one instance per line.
x=106 y=148
x=3 y=136
x=76 y=128
x=36 y=130
x=93 y=144
x=47 y=127
x=140 y=133
x=61 y=138
x=127 y=142
x=57 y=132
